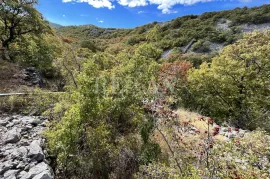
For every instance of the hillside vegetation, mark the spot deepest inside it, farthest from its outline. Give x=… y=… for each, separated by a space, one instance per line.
x=188 y=98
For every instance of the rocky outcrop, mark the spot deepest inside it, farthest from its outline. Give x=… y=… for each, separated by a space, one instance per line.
x=166 y=53
x=252 y=27
x=188 y=47
x=21 y=148
x=223 y=24
x=31 y=76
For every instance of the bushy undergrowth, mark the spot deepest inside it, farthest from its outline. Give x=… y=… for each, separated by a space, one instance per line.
x=117 y=117
x=235 y=86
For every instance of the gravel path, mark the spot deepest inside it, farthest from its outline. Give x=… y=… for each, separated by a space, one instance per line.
x=21 y=148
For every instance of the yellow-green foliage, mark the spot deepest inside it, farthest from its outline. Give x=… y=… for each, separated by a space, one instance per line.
x=14 y=103
x=176 y=33
x=236 y=84
x=38 y=51
x=103 y=120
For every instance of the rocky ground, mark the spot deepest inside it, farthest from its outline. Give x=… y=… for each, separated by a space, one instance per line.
x=252 y=27
x=21 y=148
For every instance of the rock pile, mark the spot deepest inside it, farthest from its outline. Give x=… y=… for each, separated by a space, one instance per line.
x=31 y=76
x=227 y=132
x=21 y=153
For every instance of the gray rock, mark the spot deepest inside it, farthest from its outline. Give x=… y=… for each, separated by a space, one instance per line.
x=15 y=163
x=13 y=136
x=24 y=142
x=21 y=165
x=11 y=124
x=231 y=135
x=22 y=152
x=10 y=118
x=35 y=121
x=16 y=121
x=222 y=133
x=193 y=128
x=24 y=133
x=242 y=133
x=224 y=129
x=11 y=174
x=27 y=167
x=44 y=175
x=35 y=151
x=6 y=166
x=25 y=119
x=29 y=127
x=36 y=170
x=21 y=155
x=3 y=122
x=21 y=174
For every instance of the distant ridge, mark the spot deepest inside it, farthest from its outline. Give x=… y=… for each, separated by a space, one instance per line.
x=54 y=25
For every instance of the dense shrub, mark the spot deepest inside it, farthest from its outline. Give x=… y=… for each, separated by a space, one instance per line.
x=134 y=40
x=234 y=86
x=89 y=44
x=98 y=136
x=39 y=52
x=176 y=23
x=201 y=46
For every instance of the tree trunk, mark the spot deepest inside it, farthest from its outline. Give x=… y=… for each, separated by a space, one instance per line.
x=4 y=54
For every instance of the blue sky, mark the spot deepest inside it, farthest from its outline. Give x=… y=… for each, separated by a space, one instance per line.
x=131 y=13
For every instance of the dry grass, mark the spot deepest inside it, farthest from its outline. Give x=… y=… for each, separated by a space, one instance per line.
x=9 y=83
x=192 y=118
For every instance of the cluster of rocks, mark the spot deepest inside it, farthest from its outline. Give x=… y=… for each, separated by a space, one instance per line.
x=31 y=76
x=166 y=53
x=223 y=24
x=227 y=132
x=21 y=153
x=252 y=27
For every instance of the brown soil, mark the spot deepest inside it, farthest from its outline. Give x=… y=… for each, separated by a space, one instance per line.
x=9 y=81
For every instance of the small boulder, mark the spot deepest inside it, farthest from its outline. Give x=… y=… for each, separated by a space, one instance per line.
x=11 y=174
x=35 y=151
x=44 y=175
x=20 y=152
x=5 y=166
x=13 y=136
x=35 y=121
x=231 y=135
x=11 y=124
x=21 y=174
x=36 y=170
x=3 y=122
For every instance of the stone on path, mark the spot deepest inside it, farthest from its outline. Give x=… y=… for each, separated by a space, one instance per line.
x=35 y=151
x=13 y=136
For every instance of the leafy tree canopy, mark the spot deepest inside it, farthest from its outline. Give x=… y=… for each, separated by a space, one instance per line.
x=19 y=17
x=236 y=85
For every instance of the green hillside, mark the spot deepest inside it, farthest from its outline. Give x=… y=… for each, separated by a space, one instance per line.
x=177 y=32
x=184 y=99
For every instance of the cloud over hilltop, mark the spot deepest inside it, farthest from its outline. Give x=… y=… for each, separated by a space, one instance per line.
x=164 y=5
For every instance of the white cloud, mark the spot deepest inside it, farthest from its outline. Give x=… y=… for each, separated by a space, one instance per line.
x=133 y=3
x=64 y=15
x=141 y=12
x=100 y=21
x=95 y=3
x=166 y=6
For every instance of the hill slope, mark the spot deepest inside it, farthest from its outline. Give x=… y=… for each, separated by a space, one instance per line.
x=211 y=31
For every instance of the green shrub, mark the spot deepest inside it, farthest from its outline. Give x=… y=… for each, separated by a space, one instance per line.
x=233 y=86
x=99 y=131
x=201 y=46
x=89 y=44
